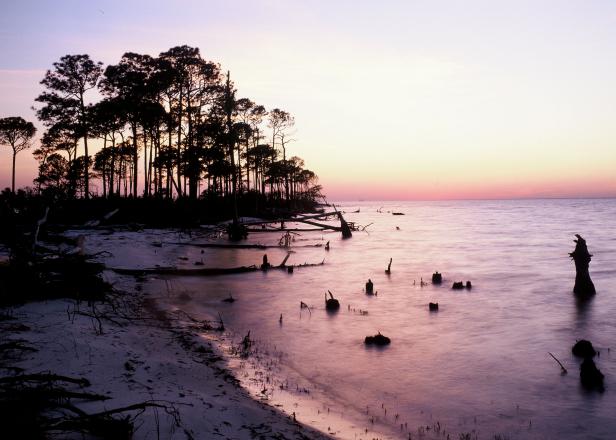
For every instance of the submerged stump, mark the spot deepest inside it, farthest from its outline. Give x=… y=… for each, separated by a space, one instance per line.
x=369 y=287
x=377 y=339
x=590 y=376
x=437 y=278
x=344 y=227
x=583 y=349
x=583 y=284
x=331 y=304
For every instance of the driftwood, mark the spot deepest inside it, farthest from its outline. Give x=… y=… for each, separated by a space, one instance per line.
x=286 y=229
x=36 y=406
x=44 y=377
x=174 y=271
x=303 y=305
x=583 y=284
x=314 y=216
x=344 y=226
x=564 y=370
x=320 y=225
x=237 y=246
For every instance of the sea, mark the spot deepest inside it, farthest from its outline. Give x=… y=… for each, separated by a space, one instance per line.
x=480 y=367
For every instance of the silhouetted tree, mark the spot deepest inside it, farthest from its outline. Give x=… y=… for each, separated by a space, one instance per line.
x=179 y=115
x=280 y=122
x=18 y=133
x=65 y=102
x=128 y=82
x=108 y=121
x=52 y=178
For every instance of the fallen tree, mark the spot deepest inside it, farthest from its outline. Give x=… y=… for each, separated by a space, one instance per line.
x=210 y=271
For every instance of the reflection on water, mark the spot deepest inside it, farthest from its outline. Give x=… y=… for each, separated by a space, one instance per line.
x=481 y=362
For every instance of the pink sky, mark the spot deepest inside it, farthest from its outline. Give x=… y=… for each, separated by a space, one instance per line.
x=394 y=100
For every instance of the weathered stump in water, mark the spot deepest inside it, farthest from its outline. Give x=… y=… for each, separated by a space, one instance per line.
x=433 y=307
x=331 y=304
x=583 y=284
x=590 y=376
x=377 y=339
x=369 y=287
x=437 y=278
x=583 y=349
x=266 y=265
x=458 y=285
x=344 y=226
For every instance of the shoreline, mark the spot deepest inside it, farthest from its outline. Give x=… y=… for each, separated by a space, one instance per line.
x=262 y=377
x=145 y=357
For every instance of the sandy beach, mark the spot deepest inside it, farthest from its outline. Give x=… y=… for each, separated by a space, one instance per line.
x=133 y=352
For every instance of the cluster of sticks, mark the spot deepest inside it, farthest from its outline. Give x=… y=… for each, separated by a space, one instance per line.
x=39 y=405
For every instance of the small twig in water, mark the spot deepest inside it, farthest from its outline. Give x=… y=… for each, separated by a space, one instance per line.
x=561 y=365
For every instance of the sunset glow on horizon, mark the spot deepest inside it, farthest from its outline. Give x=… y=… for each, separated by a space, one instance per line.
x=392 y=101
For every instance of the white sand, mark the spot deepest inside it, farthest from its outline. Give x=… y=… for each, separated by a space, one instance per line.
x=148 y=358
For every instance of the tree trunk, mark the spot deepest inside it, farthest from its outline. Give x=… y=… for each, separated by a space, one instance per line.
x=13 y=179
x=179 y=185
x=145 y=163
x=135 y=159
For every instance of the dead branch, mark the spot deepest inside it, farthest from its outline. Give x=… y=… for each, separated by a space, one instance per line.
x=561 y=365
x=44 y=377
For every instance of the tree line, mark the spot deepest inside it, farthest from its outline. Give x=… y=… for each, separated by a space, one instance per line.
x=170 y=127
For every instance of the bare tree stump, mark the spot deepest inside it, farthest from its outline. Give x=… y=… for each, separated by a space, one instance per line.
x=583 y=284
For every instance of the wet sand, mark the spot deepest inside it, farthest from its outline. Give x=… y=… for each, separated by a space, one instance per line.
x=138 y=353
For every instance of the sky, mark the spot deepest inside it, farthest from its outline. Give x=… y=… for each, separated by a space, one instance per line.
x=393 y=100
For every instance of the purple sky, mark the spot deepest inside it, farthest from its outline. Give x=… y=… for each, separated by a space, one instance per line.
x=409 y=99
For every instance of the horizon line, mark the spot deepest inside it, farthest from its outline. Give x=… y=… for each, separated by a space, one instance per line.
x=479 y=199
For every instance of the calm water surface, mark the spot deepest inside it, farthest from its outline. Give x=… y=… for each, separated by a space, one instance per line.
x=481 y=363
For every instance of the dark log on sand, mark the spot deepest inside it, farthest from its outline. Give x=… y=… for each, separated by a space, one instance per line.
x=583 y=284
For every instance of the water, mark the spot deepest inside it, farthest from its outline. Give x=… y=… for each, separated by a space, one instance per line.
x=480 y=364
